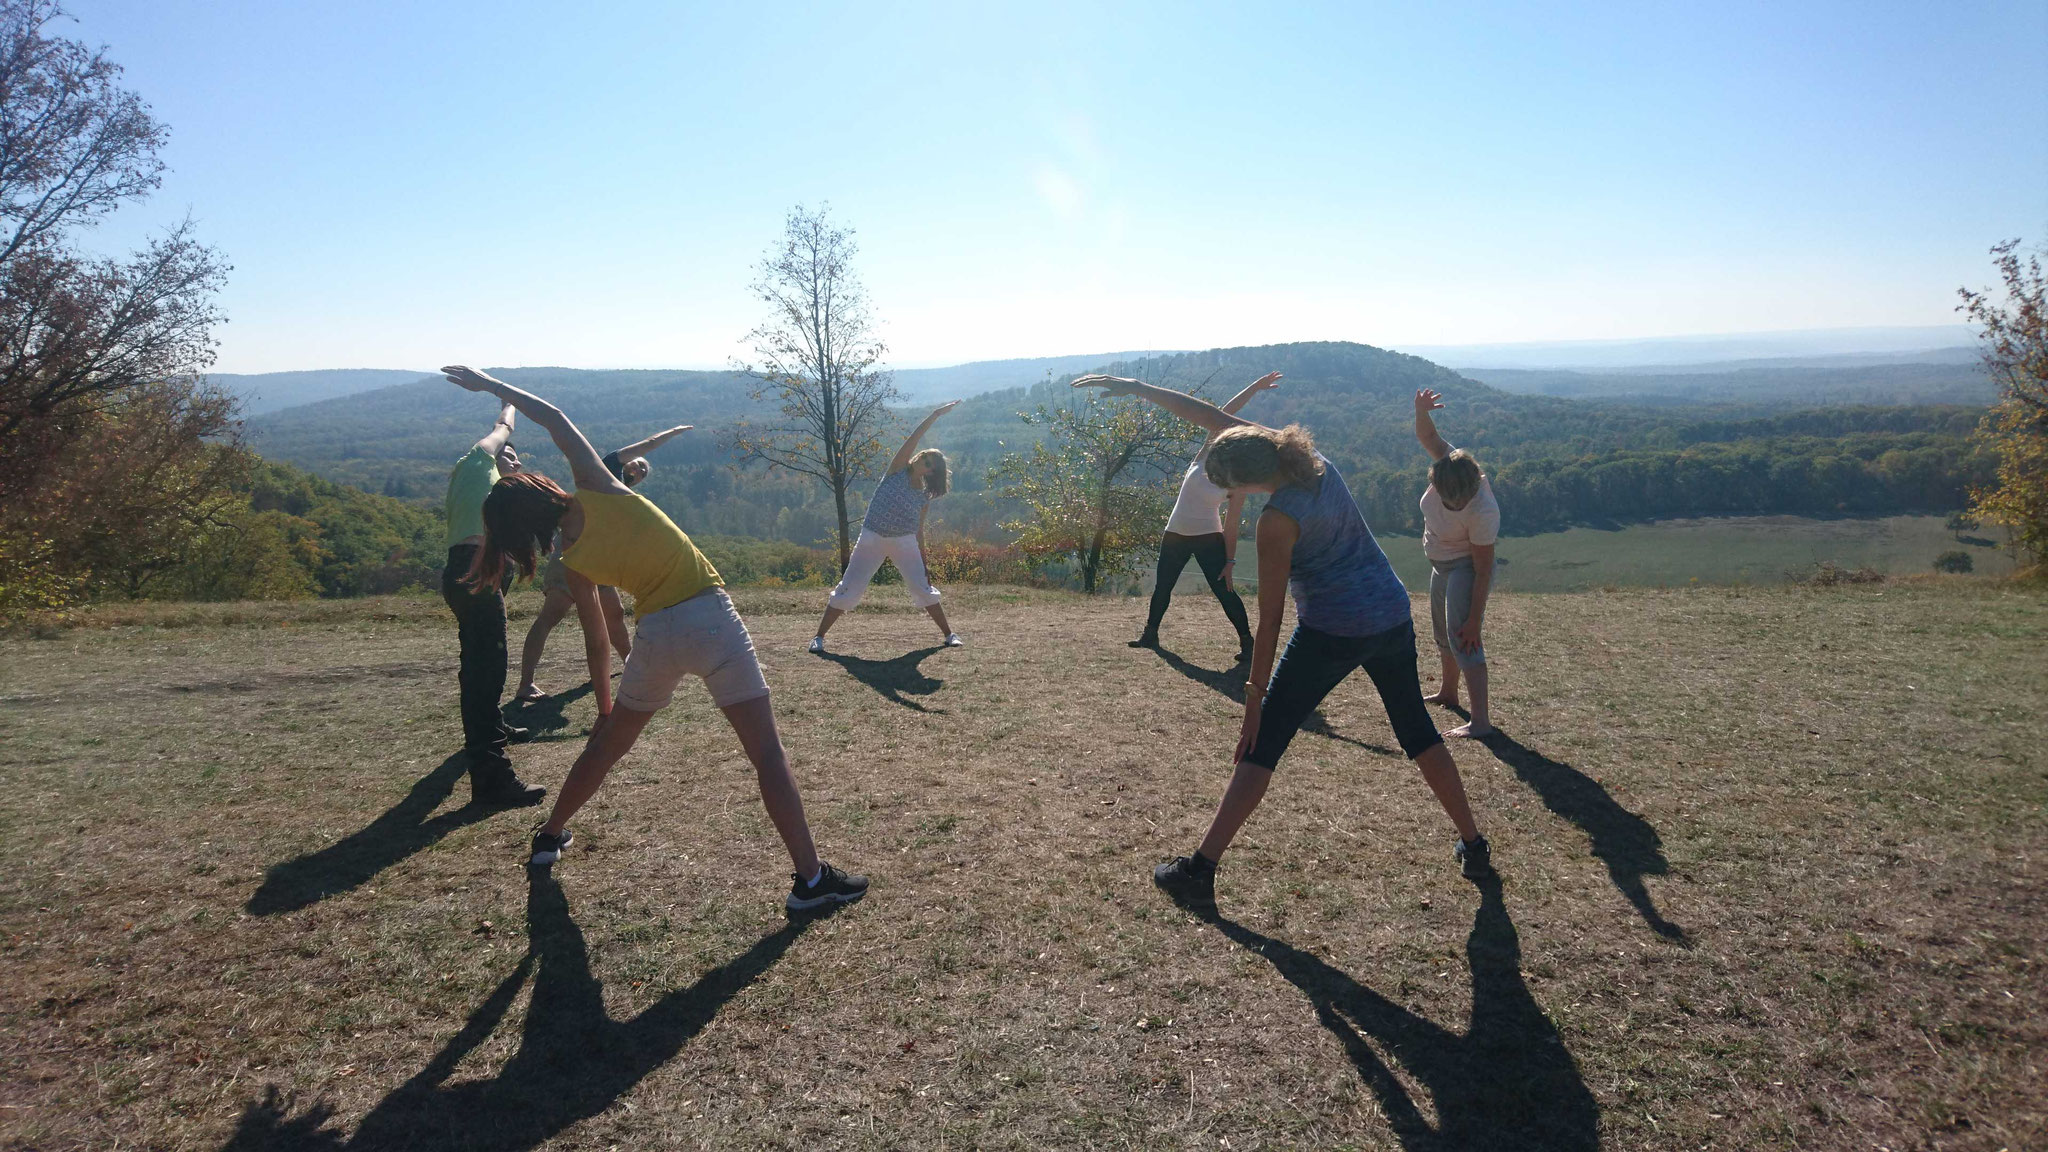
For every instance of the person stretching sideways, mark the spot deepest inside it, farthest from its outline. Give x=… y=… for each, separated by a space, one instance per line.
x=1460 y=523
x=687 y=626
x=480 y=623
x=1351 y=612
x=630 y=467
x=1203 y=525
x=894 y=530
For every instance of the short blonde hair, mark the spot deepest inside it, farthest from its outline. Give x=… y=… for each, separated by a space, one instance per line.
x=1256 y=454
x=1456 y=477
x=935 y=481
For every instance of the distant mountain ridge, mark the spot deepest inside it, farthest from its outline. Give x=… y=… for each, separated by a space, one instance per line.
x=274 y=391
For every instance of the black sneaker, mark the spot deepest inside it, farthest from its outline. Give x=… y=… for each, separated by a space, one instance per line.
x=1244 y=653
x=515 y=734
x=1188 y=879
x=1475 y=858
x=493 y=783
x=548 y=849
x=1146 y=641
x=833 y=887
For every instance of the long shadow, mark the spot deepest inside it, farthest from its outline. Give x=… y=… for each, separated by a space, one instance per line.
x=1508 y=1082
x=1230 y=683
x=897 y=679
x=573 y=1062
x=547 y=716
x=1622 y=840
x=408 y=827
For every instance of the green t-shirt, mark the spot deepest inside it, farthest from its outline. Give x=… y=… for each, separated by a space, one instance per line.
x=467 y=486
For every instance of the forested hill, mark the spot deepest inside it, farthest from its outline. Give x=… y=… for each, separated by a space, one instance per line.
x=1560 y=460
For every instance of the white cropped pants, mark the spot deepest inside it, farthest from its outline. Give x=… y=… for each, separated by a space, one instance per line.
x=868 y=553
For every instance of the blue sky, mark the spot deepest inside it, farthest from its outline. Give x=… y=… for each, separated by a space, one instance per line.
x=401 y=185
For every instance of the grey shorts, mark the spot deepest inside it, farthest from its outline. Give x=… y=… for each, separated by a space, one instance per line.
x=1450 y=602
x=702 y=636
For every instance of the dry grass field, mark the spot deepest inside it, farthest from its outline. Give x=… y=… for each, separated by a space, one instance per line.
x=1772 y=876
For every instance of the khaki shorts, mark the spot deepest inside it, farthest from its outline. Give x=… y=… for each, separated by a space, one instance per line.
x=702 y=636
x=555 y=577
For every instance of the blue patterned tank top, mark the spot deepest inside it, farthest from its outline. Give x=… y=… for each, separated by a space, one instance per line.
x=896 y=507
x=1341 y=581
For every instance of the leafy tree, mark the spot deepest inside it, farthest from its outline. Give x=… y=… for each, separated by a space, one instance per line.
x=2015 y=344
x=818 y=361
x=1091 y=489
x=113 y=451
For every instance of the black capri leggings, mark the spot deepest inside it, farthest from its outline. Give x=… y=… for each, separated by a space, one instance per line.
x=1175 y=550
x=1315 y=662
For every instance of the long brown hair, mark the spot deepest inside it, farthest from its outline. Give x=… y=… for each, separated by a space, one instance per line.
x=520 y=516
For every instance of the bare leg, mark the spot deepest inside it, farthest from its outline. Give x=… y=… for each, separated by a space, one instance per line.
x=613 y=738
x=1481 y=724
x=552 y=610
x=939 y=617
x=615 y=619
x=1247 y=788
x=754 y=721
x=1448 y=694
x=832 y=616
x=1440 y=772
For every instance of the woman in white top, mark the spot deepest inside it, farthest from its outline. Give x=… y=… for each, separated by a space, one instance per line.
x=1460 y=523
x=1203 y=526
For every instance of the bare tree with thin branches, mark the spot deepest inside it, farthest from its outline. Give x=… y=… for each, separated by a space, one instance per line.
x=818 y=358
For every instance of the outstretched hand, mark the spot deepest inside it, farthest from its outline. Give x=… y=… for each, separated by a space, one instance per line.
x=463 y=376
x=948 y=406
x=1427 y=400
x=1110 y=385
x=1269 y=381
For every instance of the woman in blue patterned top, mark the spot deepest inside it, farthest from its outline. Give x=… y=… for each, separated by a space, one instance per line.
x=894 y=530
x=1351 y=611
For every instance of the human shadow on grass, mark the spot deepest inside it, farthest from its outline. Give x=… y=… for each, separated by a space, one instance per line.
x=1507 y=1082
x=547 y=716
x=898 y=679
x=408 y=827
x=1231 y=681
x=1622 y=840
x=574 y=1061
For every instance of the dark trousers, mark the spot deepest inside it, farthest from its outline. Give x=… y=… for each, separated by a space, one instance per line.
x=1207 y=550
x=1316 y=662
x=480 y=622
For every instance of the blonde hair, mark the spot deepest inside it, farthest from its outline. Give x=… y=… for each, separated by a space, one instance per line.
x=1256 y=454
x=934 y=480
x=1455 y=477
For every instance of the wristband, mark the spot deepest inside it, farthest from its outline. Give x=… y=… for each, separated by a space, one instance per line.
x=1251 y=689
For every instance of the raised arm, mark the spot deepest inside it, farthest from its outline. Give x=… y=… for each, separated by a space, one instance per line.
x=1198 y=412
x=584 y=463
x=909 y=449
x=642 y=447
x=501 y=432
x=1269 y=380
x=1429 y=400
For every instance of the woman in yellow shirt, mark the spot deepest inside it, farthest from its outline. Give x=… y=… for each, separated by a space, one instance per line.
x=686 y=626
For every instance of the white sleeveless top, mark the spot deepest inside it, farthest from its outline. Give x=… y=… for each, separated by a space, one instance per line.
x=1198 y=510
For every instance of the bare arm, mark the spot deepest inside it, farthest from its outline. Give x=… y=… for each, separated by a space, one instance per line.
x=584 y=463
x=909 y=449
x=597 y=651
x=1233 y=512
x=502 y=432
x=1426 y=401
x=642 y=447
x=1198 y=412
x=1277 y=534
x=1269 y=380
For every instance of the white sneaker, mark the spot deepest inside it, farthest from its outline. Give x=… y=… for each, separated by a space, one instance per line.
x=817 y=643
x=953 y=640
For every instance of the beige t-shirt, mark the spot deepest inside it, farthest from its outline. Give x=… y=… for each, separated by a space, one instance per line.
x=1448 y=535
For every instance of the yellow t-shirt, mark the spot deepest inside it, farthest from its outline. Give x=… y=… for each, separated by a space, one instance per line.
x=628 y=543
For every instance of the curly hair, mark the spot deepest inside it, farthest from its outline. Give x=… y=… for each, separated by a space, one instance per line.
x=1456 y=478
x=1256 y=454
x=520 y=516
x=935 y=481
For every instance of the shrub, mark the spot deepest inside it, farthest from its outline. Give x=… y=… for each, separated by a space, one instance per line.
x=1955 y=560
